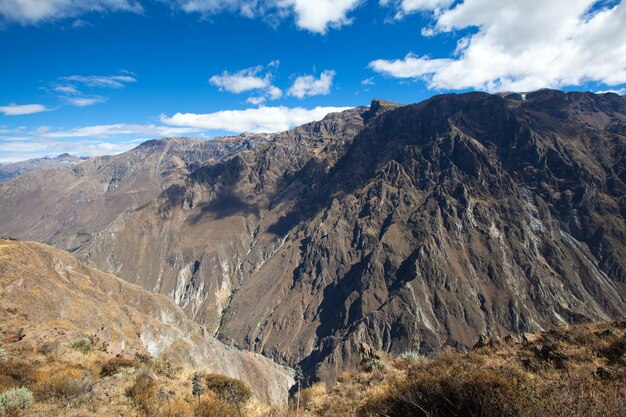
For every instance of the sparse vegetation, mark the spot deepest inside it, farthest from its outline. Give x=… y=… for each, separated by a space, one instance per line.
x=571 y=371
x=143 y=393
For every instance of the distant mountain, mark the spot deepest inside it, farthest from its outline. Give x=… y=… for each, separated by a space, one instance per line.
x=93 y=193
x=12 y=170
x=51 y=299
x=401 y=227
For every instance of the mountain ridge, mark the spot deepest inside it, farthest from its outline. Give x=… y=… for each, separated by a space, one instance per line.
x=402 y=227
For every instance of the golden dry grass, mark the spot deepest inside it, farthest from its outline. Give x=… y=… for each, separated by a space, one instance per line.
x=573 y=371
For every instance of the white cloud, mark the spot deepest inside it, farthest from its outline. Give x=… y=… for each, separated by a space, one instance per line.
x=522 y=45
x=368 y=81
x=308 y=85
x=312 y=15
x=86 y=140
x=259 y=120
x=37 y=11
x=257 y=79
x=106 y=81
x=318 y=15
x=20 y=151
x=241 y=81
x=117 y=130
x=405 y=7
x=256 y=100
x=66 y=89
x=84 y=101
x=22 y=109
x=619 y=91
x=274 y=93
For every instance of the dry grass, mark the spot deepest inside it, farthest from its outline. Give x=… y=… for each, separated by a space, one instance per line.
x=63 y=384
x=115 y=365
x=210 y=405
x=570 y=371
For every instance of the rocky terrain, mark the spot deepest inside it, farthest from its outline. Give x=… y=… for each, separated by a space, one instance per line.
x=12 y=170
x=50 y=302
x=402 y=227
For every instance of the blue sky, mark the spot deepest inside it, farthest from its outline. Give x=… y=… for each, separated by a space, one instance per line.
x=98 y=77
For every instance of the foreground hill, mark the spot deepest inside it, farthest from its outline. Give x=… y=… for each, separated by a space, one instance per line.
x=403 y=227
x=50 y=302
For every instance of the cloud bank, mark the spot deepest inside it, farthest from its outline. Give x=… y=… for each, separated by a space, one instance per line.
x=258 y=120
x=519 y=45
x=312 y=15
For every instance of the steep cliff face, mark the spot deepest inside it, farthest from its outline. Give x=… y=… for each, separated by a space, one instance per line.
x=403 y=227
x=55 y=300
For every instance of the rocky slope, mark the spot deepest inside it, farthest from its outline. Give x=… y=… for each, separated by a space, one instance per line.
x=15 y=169
x=402 y=227
x=49 y=300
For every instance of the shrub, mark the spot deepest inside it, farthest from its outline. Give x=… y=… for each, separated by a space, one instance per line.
x=228 y=389
x=373 y=364
x=411 y=356
x=312 y=398
x=17 y=372
x=63 y=385
x=177 y=407
x=113 y=366
x=143 y=393
x=456 y=392
x=210 y=405
x=83 y=345
x=15 y=400
x=3 y=355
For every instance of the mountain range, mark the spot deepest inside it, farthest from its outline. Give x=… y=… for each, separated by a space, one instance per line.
x=9 y=171
x=389 y=227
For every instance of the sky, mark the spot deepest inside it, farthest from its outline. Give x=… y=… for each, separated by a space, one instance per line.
x=94 y=77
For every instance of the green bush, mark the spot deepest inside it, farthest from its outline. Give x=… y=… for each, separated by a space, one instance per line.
x=373 y=364
x=83 y=345
x=227 y=389
x=15 y=400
